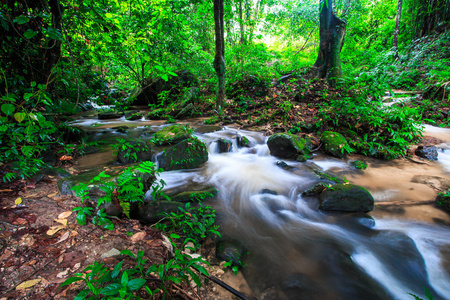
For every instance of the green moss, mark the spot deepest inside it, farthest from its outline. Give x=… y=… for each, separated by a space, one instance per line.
x=287 y=145
x=358 y=164
x=334 y=144
x=187 y=154
x=173 y=134
x=195 y=196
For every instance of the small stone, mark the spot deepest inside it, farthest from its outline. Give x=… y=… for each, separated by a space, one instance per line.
x=110 y=253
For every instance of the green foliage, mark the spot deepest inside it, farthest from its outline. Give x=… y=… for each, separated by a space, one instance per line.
x=371 y=128
x=126 y=188
x=443 y=199
x=131 y=149
x=194 y=223
x=427 y=294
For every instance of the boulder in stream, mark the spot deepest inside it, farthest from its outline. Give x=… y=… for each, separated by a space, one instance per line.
x=427 y=152
x=172 y=134
x=289 y=146
x=187 y=154
x=132 y=116
x=109 y=115
x=195 y=196
x=346 y=197
x=334 y=144
x=443 y=201
x=134 y=151
x=242 y=141
x=224 y=145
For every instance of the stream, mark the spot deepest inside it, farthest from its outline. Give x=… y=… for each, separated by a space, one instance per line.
x=296 y=251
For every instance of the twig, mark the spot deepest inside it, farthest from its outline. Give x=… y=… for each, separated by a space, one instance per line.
x=184 y=292
x=228 y=288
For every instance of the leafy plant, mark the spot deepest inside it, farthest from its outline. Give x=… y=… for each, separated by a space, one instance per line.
x=126 y=188
x=130 y=149
x=194 y=223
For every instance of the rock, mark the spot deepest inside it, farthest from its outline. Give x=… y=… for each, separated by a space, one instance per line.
x=135 y=151
x=151 y=88
x=242 y=142
x=346 y=197
x=270 y=192
x=436 y=182
x=443 y=201
x=187 y=154
x=172 y=134
x=289 y=146
x=132 y=116
x=316 y=189
x=185 y=112
x=224 y=145
x=359 y=164
x=231 y=251
x=156 y=114
x=110 y=253
x=427 y=152
x=151 y=211
x=109 y=115
x=195 y=196
x=208 y=128
x=334 y=144
x=121 y=129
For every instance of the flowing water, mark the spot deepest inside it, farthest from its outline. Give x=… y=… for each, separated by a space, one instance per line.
x=296 y=251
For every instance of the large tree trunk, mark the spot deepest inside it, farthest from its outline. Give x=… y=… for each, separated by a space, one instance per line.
x=241 y=23
x=332 y=32
x=397 y=26
x=219 y=59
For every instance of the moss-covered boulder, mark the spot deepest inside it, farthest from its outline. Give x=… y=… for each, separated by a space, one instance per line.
x=334 y=144
x=224 y=145
x=151 y=211
x=109 y=115
x=187 y=154
x=289 y=146
x=242 y=141
x=132 y=116
x=443 y=201
x=346 y=197
x=134 y=151
x=359 y=164
x=172 y=134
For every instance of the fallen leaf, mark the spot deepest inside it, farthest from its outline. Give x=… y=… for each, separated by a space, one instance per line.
x=62 y=221
x=65 y=157
x=27 y=284
x=76 y=267
x=62 y=274
x=54 y=229
x=64 y=237
x=7 y=190
x=64 y=215
x=139 y=236
x=20 y=221
x=27 y=240
x=18 y=201
x=32 y=263
x=52 y=195
x=60 y=259
x=73 y=233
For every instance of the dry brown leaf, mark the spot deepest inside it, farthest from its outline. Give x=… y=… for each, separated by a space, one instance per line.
x=139 y=236
x=64 y=237
x=60 y=259
x=27 y=284
x=7 y=190
x=20 y=221
x=62 y=274
x=62 y=221
x=54 y=229
x=52 y=195
x=73 y=233
x=27 y=240
x=64 y=215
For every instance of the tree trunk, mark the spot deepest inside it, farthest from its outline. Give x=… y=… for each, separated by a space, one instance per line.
x=219 y=59
x=241 y=23
x=332 y=32
x=397 y=26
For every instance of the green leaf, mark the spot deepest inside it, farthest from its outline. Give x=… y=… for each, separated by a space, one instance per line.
x=109 y=15
x=128 y=252
x=54 y=34
x=29 y=34
x=71 y=280
x=116 y=270
x=165 y=77
x=174 y=236
x=21 y=19
x=20 y=117
x=136 y=283
x=124 y=280
x=8 y=108
x=82 y=295
x=110 y=290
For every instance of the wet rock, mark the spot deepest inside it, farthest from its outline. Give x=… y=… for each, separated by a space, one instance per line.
x=316 y=189
x=242 y=141
x=195 y=196
x=187 y=154
x=172 y=134
x=156 y=114
x=132 y=116
x=135 y=151
x=334 y=144
x=109 y=115
x=289 y=146
x=121 y=129
x=270 y=192
x=231 y=251
x=151 y=211
x=427 y=152
x=224 y=145
x=436 y=182
x=346 y=197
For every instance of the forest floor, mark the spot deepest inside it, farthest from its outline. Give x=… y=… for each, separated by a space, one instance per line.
x=41 y=243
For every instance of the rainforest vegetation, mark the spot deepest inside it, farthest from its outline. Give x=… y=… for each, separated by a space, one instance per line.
x=374 y=71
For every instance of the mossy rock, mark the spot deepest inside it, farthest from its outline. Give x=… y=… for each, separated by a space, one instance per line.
x=242 y=141
x=289 y=146
x=359 y=164
x=157 y=114
x=334 y=144
x=224 y=145
x=151 y=211
x=187 y=154
x=138 y=152
x=134 y=116
x=346 y=197
x=443 y=201
x=172 y=134
x=195 y=196
x=109 y=115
